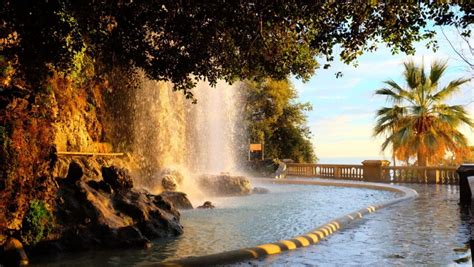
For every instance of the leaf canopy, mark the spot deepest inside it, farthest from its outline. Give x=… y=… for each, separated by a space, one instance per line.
x=185 y=41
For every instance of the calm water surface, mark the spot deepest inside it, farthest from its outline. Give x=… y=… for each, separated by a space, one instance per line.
x=428 y=231
x=237 y=222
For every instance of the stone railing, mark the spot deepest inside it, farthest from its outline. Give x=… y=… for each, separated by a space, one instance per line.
x=376 y=171
x=353 y=172
x=428 y=175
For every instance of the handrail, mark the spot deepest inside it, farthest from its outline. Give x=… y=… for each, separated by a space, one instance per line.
x=68 y=153
x=323 y=165
x=421 y=168
x=376 y=173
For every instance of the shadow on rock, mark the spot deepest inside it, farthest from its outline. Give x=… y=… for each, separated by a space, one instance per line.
x=98 y=207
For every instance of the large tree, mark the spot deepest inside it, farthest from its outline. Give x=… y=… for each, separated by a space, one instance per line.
x=275 y=118
x=420 y=122
x=184 y=41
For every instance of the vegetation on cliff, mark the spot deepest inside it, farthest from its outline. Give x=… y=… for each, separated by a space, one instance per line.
x=37 y=222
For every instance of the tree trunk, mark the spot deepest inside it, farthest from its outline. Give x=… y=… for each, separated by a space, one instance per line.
x=394 y=157
x=421 y=158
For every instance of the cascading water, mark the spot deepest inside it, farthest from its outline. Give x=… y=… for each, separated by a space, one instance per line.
x=159 y=139
x=172 y=133
x=214 y=129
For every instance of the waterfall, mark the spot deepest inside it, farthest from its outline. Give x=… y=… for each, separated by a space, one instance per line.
x=159 y=123
x=172 y=133
x=214 y=128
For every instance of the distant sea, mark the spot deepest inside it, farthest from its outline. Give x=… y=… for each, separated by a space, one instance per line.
x=347 y=160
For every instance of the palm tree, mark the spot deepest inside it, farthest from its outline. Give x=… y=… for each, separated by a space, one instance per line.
x=419 y=122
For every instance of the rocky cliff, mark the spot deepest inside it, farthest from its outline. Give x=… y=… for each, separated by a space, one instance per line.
x=48 y=200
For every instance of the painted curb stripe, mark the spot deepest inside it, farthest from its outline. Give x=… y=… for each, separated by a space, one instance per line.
x=312 y=237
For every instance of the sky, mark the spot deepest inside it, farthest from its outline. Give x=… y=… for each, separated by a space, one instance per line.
x=344 y=108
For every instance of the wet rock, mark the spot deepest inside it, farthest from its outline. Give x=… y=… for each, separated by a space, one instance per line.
x=206 y=205
x=13 y=253
x=177 y=175
x=117 y=178
x=74 y=172
x=179 y=199
x=131 y=236
x=100 y=186
x=260 y=190
x=60 y=167
x=94 y=218
x=263 y=168
x=169 y=183
x=225 y=185
x=103 y=210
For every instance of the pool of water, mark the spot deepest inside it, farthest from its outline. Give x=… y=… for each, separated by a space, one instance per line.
x=237 y=222
x=427 y=231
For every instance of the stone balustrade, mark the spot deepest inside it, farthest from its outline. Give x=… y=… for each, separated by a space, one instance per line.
x=376 y=171
x=424 y=175
x=353 y=172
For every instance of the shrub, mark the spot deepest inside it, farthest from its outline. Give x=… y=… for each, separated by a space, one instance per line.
x=36 y=223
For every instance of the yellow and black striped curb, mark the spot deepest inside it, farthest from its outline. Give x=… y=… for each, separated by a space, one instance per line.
x=312 y=237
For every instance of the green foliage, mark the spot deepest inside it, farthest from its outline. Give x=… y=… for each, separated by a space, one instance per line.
x=275 y=118
x=36 y=223
x=420 y=123
x=185 y=41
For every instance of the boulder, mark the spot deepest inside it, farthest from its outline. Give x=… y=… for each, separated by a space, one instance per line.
x=260 y=190
x=101 y=209
x=206 y=205
x=177 y=175
x=13 y=253
x=263 y=168
x=179 y=199
x=117 y=178
x=74 y=172
x=169 y=183
x=171 y=179
x=100 y=186
x=225 y=185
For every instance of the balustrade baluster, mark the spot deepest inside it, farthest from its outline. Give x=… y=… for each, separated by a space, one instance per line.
x=400 y=174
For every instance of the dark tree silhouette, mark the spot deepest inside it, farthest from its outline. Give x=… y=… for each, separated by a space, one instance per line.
x=184 y=41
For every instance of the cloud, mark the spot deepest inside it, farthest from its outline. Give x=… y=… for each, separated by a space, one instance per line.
x=344 y=109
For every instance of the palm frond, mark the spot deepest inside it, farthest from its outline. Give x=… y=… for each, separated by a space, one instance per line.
x=438 y=67
x=386 y=143
x=403 y=93
x=391 y=95
x=419 y=123
x=456 y=113
x=449 y=90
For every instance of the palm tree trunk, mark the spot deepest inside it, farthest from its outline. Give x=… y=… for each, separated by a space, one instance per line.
x=421 y=158
x=393 y=156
